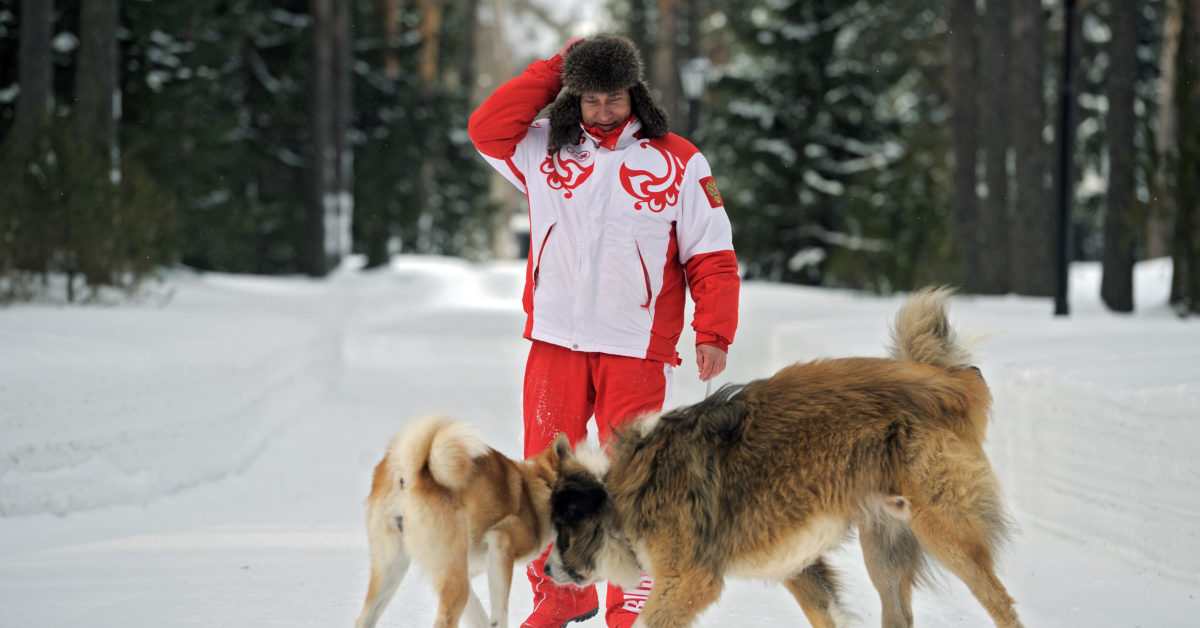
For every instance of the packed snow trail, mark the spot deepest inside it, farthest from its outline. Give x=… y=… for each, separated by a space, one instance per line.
x=204 y=462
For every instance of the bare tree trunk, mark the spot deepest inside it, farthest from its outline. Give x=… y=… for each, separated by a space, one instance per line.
x=322 y=202
x=343 y=87
x=430 y=29
x=94 y=114
x=496 y=58
x=1031 y=242
x=963 y=87
x=692 y=15
x=995 y=44
x=1064 y=149
x=96 y=76
x=386 y=12
x=1166 y=130
x=468 y=68
x=429 y=70
x=35 y=72
x=666 y=59
x=639 y=23
x=331 y=200
x=1185 y=281
x=691 y=51
x=376 y=225
x=1120 y=229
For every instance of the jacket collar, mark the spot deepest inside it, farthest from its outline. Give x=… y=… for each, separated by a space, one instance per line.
x=620 y=137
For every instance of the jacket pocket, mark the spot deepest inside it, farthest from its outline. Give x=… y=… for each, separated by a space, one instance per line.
x=537 y=266
x=645 y=277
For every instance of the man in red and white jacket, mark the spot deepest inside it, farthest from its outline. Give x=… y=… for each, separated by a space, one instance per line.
x=625 y=218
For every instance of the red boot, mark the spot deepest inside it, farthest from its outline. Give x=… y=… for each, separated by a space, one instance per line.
x=625 y=606
x=555 y=606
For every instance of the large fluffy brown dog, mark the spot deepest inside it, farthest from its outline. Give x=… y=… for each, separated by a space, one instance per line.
x=761 y=480
x=446 y=500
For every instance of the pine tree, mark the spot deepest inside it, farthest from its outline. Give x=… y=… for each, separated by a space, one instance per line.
x=964 y=80
x=828 y=146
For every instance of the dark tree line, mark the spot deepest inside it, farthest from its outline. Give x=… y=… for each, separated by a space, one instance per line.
x=883 y=145
x=865 y=144
x=69 y=205
x=264 y=136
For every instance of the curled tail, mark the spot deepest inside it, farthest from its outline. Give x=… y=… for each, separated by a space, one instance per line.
x=922 y=332
x=448 y=448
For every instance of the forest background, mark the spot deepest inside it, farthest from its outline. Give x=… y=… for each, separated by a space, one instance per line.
x=872 y=144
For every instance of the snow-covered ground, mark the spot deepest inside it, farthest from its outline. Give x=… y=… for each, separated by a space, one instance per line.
x=202 y=461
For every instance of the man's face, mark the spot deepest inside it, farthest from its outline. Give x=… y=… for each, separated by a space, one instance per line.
x=605 y=111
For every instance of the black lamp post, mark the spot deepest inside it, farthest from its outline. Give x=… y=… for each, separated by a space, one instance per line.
x=693 y=74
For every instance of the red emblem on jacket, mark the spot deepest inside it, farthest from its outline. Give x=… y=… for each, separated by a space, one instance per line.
x=567 y=173
x=654 y=191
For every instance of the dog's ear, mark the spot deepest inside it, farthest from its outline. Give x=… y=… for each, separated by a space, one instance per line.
x=562 y=446
x=576 y=499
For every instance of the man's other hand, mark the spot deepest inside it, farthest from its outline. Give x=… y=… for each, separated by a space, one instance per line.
x=710 y=360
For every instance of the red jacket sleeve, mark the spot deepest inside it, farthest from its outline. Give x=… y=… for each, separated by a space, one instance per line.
x=714 y=283
x=500 y=123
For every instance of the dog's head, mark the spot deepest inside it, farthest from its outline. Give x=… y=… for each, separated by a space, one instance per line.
x=588 y=547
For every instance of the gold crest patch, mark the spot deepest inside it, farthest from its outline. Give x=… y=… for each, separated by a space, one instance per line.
x=711 y=191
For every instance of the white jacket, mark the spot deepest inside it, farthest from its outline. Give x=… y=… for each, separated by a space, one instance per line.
x=616 y=236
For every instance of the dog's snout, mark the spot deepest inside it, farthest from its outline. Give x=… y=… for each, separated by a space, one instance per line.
x=562 y=574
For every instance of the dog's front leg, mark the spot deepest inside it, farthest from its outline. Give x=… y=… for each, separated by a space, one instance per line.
x=475 y=616
x=678 y=596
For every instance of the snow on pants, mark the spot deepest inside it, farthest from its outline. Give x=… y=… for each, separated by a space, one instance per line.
x=563 y=390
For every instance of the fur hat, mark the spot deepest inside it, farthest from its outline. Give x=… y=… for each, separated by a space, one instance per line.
x=606 y=63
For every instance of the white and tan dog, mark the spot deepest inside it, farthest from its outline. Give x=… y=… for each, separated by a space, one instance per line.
x=444 y=499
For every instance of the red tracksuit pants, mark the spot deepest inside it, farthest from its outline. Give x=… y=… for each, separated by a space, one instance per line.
x=563 y=390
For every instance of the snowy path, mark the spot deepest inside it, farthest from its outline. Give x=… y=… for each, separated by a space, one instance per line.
x=260 y=523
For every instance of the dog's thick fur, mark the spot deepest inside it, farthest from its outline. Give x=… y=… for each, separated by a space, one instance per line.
x=762 y=480
x=443 y=498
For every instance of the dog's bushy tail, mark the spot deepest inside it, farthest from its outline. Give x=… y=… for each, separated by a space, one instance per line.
x=448 y=448
x=922 y=332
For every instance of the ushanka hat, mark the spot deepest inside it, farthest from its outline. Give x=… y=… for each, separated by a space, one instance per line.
x=605 y=64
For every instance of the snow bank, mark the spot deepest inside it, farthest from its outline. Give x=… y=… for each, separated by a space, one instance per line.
x=1116 y=468
x=147 y=400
